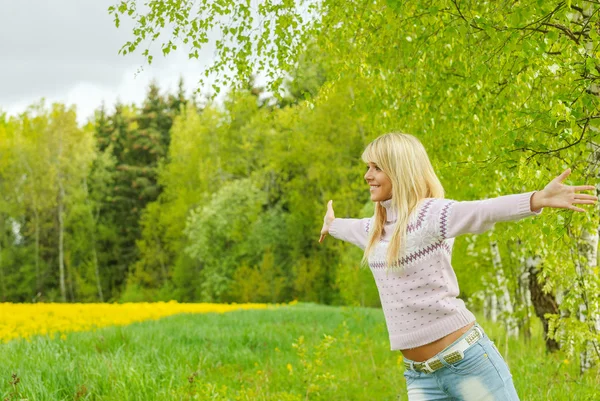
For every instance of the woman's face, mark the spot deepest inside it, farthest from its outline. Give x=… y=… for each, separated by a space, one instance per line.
x=380 y=185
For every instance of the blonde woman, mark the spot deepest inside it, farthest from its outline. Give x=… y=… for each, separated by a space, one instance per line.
x=408 y=247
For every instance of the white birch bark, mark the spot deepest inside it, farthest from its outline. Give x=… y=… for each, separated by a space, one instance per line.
x=524 y=293
x=588 y=246
x=61 y=236
x=503 y=302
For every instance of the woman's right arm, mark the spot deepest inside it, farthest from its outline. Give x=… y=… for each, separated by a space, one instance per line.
x=355 y=231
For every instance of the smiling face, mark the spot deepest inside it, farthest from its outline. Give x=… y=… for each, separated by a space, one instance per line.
x=380 y=184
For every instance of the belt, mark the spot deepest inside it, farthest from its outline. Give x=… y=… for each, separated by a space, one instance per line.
x=453 y=354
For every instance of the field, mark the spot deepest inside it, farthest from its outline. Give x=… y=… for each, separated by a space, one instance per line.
x=293 y=352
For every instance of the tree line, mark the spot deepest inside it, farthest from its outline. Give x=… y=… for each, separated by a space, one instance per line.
x=224 y=203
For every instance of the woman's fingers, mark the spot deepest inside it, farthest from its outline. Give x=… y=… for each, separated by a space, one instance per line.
x=586 y=197
x=584 y=187
x=563 y=175
x=584 y=202
x=329 y=216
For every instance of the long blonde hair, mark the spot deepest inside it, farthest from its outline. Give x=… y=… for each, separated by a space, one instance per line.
x=403 y=158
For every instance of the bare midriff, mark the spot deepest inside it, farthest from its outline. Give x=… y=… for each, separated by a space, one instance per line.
x=424 y=352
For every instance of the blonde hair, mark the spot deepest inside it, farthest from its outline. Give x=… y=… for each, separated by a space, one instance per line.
x=403 y=158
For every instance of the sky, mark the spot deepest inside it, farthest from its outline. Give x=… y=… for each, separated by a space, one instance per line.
x=67 y=51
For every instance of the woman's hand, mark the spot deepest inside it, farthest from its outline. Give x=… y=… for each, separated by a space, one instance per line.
x=561 y=196
x=329 y=217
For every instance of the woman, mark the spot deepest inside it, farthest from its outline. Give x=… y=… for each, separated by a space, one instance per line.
x=408 y=246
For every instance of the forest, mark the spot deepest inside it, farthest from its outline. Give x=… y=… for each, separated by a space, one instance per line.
x=190 y=199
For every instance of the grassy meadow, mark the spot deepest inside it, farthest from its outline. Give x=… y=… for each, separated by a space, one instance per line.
x=287 y=353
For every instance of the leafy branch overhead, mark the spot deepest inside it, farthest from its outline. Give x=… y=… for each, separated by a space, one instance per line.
x=269 y=36
x=245 y=35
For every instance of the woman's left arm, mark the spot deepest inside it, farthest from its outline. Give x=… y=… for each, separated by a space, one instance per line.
x=475 y=217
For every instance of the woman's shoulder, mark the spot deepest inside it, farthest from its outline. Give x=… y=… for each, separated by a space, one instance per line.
x=420 y=214
x=433 y=203
x=431 y=216
x=433 y=208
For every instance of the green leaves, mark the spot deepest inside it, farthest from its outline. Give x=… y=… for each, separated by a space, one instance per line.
x=502 y=94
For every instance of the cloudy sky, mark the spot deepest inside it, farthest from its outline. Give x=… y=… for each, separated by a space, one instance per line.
x=66 y=51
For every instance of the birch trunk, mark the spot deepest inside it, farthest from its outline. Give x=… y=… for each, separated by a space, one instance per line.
x=487 y=299
x=38 y=281
x=524 y=296
x=503 y=303
x=589 y=240
x=61 y=256
x=60 y=207
x=588 y=248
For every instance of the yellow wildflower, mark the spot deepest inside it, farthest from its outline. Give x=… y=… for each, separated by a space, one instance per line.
x=26 y=320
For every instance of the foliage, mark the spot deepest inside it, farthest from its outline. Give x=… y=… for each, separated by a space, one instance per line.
x=224 y=202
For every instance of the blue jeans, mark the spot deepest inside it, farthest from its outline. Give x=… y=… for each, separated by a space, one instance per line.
x=481 y=376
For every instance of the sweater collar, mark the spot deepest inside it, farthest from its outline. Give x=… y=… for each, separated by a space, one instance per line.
x=390 y=210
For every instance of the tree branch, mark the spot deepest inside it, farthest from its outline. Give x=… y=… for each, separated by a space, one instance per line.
x=471 y=24
x=563 y=28
x=547 y=152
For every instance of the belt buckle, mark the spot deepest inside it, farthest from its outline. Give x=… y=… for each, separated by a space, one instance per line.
x=429 y=366
x=425 y=368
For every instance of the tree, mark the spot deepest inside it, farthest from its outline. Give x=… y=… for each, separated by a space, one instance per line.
x=10 y=195
x=508 y=90
x=139 y=140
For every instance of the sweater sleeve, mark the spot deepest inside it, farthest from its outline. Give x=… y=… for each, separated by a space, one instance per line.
x=454 y=218
x=355 y=231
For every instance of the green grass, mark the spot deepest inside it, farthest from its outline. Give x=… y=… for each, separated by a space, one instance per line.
x=250 y=355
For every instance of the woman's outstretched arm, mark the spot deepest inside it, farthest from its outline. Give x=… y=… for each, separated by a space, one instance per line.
x=354 y=231
x=474 y=217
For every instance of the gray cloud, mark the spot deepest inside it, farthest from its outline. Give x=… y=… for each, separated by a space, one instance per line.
x=67 y=50
x=46 y=47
